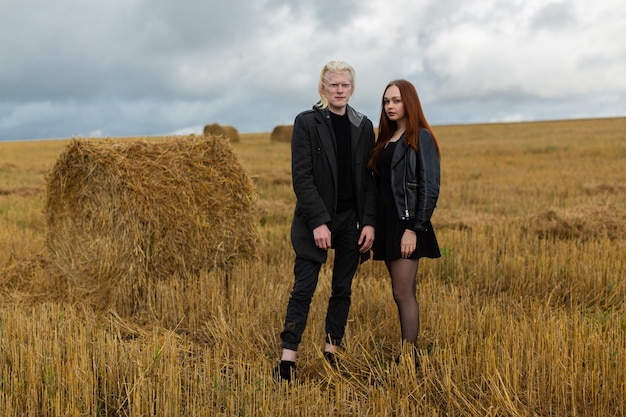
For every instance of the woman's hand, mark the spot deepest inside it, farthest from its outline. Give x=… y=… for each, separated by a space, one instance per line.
x=408 y=243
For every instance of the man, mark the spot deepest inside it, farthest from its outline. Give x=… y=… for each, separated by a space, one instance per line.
x=335 y=208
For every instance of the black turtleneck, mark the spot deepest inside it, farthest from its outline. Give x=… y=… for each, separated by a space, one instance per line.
x=345 y=193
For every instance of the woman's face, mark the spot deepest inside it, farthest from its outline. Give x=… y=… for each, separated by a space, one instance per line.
x=392 y=102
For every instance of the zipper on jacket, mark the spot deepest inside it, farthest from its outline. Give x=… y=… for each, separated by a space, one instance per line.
x=406 y=200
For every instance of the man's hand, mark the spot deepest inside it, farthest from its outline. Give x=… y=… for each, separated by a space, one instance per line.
x=321 y=234
x=366 y=240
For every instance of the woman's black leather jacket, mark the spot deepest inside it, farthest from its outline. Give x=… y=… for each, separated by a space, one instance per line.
x=415 y=178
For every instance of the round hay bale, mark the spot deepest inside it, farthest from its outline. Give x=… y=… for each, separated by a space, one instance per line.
x=214 y=129
x=123 y=215
x=282 y=133
x=231 y=133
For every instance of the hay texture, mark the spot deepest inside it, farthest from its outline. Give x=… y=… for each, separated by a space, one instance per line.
x=588 y=222
x=282 y=133
x=121 y=215
x=215 y=129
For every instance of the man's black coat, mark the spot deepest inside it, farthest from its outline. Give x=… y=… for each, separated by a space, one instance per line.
x=314 y=176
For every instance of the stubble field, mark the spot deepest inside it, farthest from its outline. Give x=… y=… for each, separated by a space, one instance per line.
x=524 y=314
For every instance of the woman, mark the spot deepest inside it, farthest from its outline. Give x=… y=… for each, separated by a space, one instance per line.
x=405 y=162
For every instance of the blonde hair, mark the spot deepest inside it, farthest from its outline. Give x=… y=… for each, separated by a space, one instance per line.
x=333 y=66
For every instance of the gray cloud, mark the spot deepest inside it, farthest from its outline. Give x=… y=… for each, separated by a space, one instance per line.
x=139 y=67
x=554 y=16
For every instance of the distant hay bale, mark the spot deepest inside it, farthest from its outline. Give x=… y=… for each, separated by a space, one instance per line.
x=231 y=133
x=583 y=222
x=282 y=133
x=123 y=215
x=215 y=129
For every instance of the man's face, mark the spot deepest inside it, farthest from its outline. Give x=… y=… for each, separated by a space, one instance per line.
x=337 y=89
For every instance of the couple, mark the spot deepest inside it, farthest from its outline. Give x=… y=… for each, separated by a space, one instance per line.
x=355 y=194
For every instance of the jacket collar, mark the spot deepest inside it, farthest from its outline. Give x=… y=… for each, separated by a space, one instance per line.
x=353 y=116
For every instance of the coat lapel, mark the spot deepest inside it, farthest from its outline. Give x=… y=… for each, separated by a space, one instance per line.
x=399 y=151
x=355 y=131
x=328 y=142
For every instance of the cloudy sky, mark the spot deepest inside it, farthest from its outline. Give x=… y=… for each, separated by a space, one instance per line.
x=149 y=67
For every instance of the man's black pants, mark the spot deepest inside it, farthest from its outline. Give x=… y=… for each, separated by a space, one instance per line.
x=344 y=237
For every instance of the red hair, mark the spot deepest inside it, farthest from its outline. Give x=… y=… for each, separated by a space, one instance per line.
x=415 y=120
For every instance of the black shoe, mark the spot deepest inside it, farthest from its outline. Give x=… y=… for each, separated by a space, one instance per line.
x=415 y=355
x=332 y=359
x=418 y=362
x=285 y=371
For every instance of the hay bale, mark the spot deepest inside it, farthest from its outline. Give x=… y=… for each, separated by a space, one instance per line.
x=214 y=129
x=123 y=215
x=282 y=133
x=231 y=133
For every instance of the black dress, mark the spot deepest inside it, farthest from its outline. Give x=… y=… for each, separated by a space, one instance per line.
x=389 y=226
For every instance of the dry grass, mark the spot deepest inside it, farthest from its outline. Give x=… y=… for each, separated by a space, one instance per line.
x=524 y=315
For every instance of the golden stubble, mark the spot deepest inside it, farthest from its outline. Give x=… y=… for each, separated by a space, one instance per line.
x=523 y=315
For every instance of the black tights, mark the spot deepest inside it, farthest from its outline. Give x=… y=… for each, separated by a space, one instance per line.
x=403 y=274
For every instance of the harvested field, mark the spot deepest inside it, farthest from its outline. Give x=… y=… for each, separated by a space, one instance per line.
x=523 y=315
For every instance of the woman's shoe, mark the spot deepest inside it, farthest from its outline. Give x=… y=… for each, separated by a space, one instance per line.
x=414 y=354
